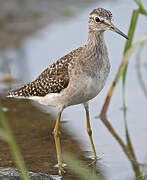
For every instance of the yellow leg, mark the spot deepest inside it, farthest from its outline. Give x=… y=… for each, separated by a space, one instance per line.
x=89 y=131
x=57 y=142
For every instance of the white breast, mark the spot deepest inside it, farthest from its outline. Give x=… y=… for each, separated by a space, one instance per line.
x=84 y=89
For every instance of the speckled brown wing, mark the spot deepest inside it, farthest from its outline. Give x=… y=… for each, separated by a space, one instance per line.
x=53 y=80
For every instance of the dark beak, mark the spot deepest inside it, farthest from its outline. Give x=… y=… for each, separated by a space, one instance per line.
x=115 y=29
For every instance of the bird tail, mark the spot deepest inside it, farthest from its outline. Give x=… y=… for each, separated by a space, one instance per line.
x=21 y=92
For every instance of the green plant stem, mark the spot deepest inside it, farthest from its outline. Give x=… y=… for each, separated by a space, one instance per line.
x=131 y=33
x=132 y=29
x=141 y=7
x=13 y=146
x=128 y=44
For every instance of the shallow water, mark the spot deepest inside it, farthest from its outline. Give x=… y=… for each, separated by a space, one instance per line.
x=33 y=131
x=51 y=43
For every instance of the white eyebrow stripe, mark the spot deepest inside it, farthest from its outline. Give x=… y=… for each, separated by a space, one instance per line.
x=94 y=15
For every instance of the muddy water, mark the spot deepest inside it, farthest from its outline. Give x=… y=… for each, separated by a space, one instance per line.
x=50 y=44
x=32 y=130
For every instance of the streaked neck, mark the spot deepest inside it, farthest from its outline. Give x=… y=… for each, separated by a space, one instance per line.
x=95 y=38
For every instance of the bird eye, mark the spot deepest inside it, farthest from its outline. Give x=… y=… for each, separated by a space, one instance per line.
x=97 y=19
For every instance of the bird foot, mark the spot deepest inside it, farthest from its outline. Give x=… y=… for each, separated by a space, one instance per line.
x=94 y=161
x=61 y=171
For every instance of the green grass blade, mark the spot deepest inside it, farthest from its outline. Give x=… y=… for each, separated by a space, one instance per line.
x=132 y=28
x=6 y=134
x=128 y=44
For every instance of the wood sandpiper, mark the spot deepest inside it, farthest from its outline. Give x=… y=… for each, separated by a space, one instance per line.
x=75 y=78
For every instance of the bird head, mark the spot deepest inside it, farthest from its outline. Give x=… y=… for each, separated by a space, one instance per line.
x=101 y=20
